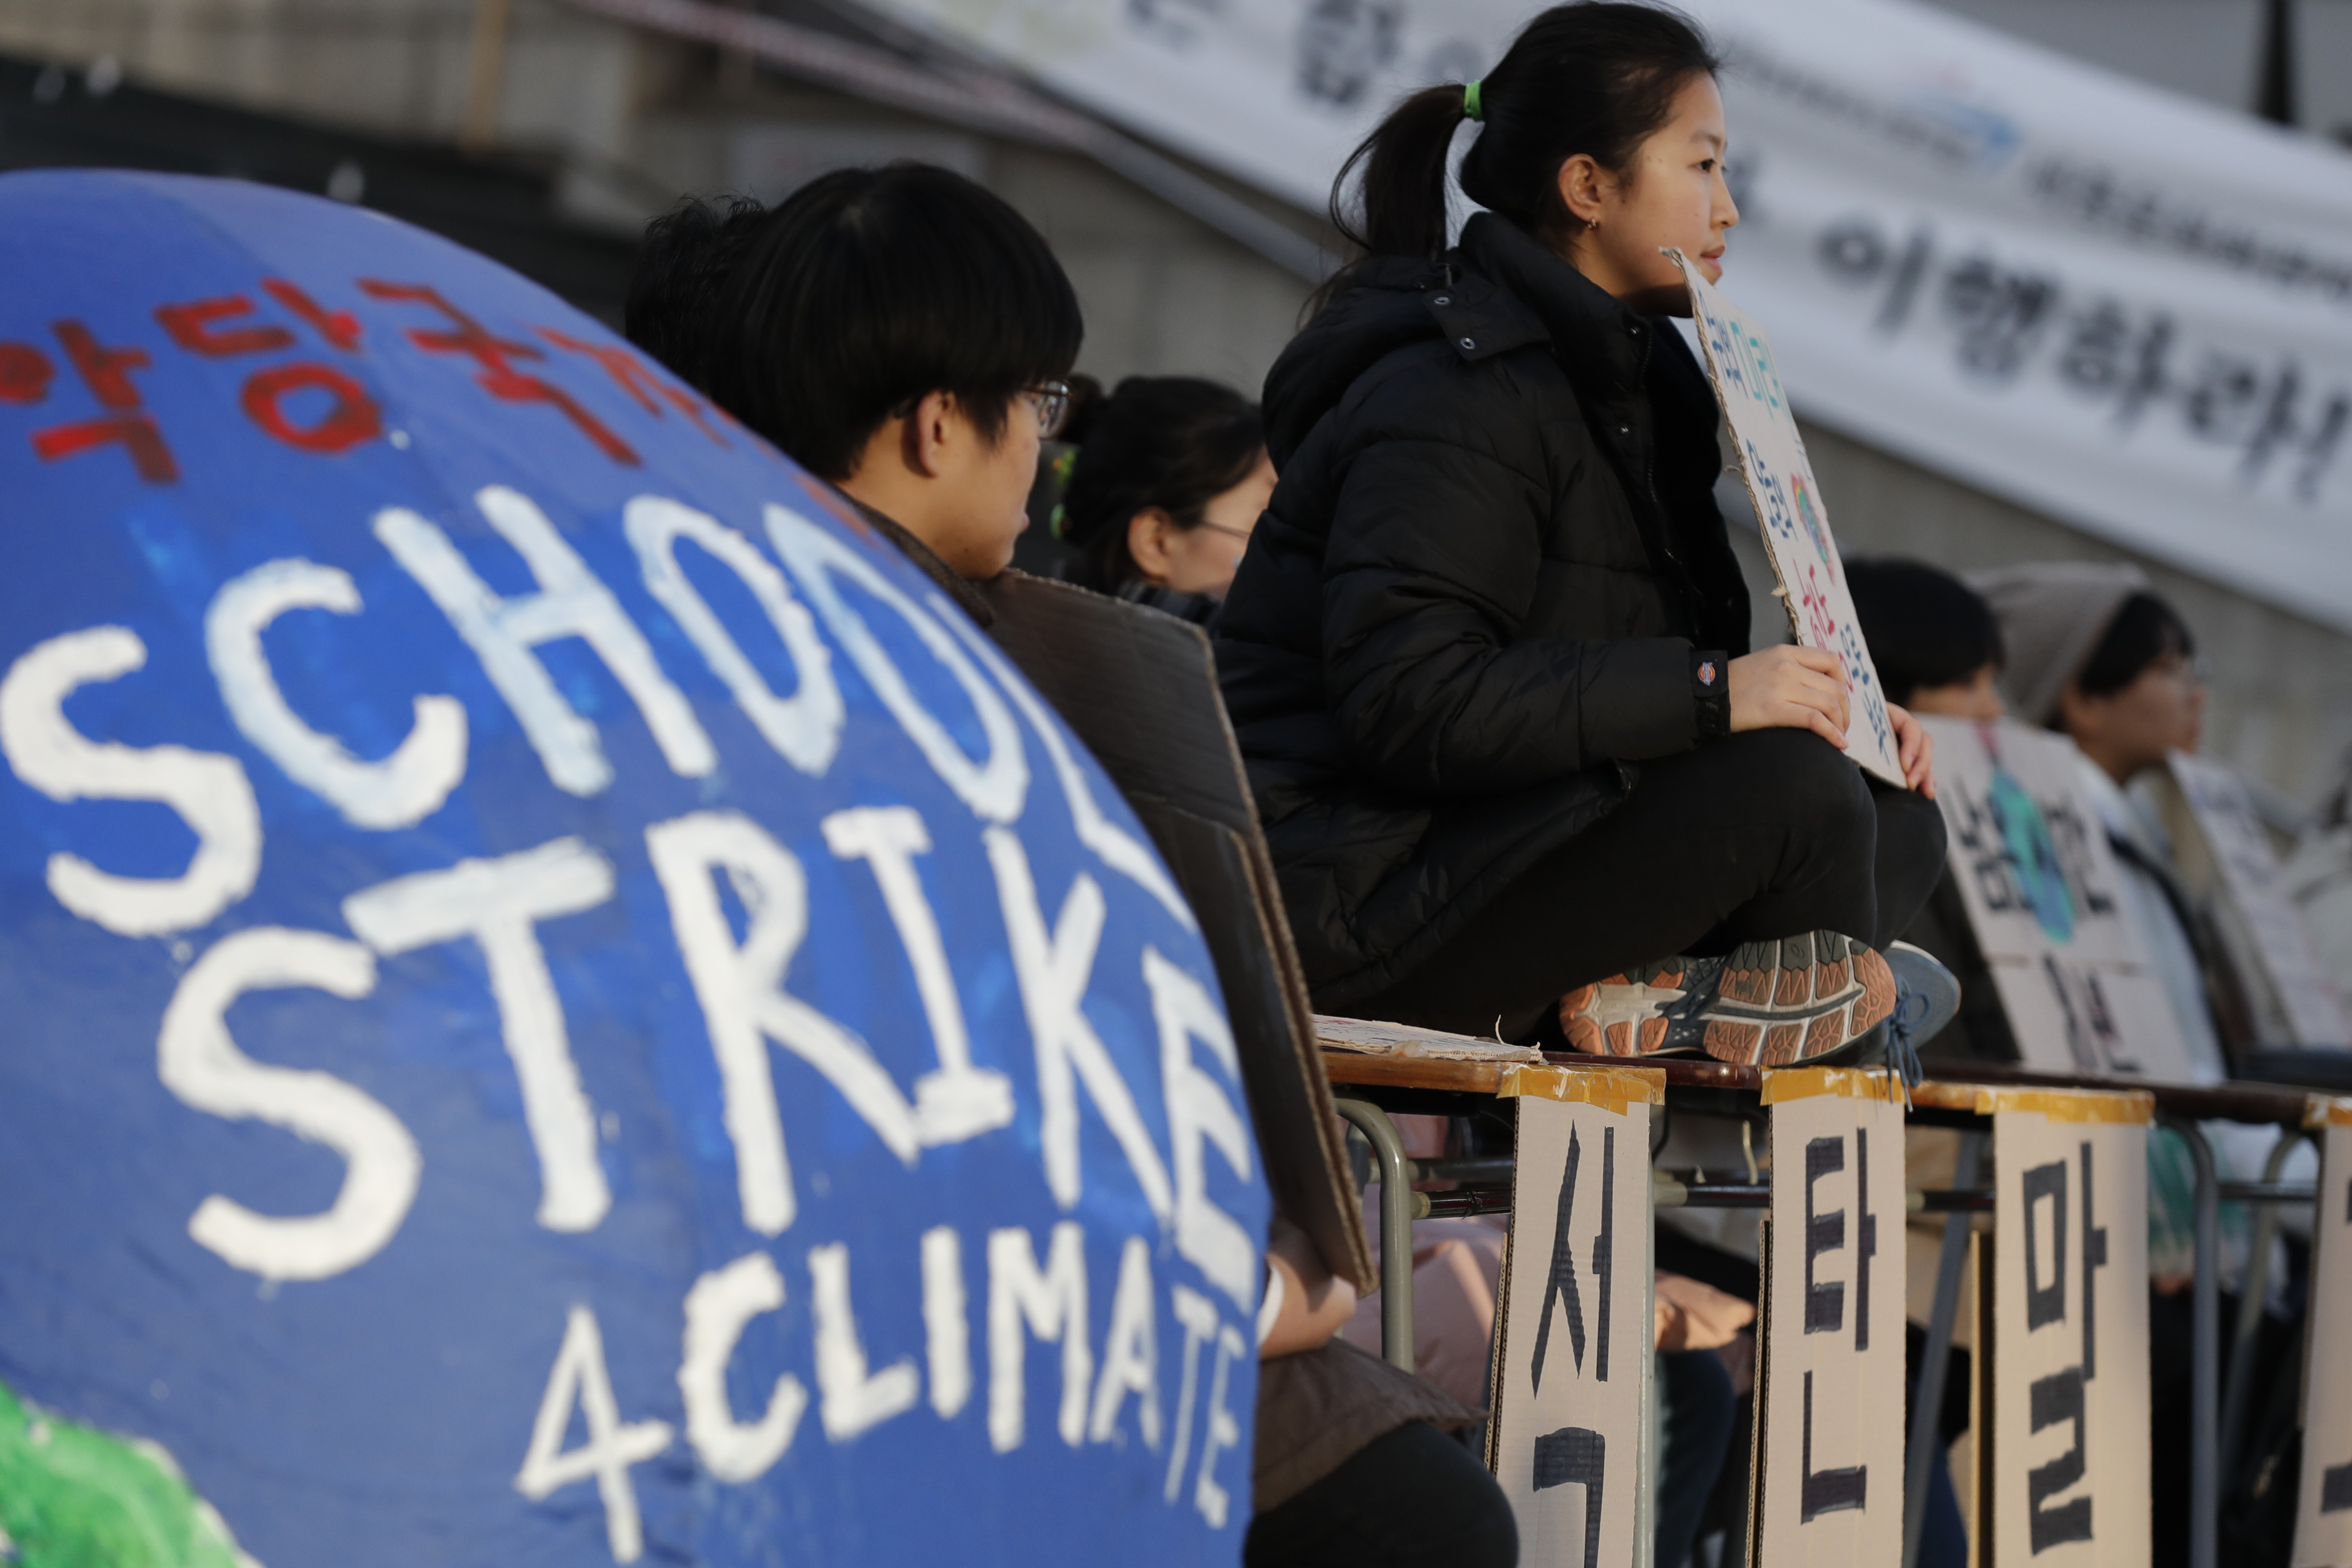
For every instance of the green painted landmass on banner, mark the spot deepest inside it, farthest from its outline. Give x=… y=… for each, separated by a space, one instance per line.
x=73 y=1496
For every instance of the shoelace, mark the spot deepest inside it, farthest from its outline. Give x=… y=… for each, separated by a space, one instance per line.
x=1902 y=1052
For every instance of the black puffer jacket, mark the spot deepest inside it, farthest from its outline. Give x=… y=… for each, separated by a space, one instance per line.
x=1487 y=582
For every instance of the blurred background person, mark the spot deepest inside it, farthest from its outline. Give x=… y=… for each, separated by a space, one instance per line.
x=1936 y=641
x=1167 y=480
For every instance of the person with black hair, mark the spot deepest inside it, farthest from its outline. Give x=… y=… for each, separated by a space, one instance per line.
x=1935 y=641
x=900 y=332
x=1487 y=653
x=1169 y=478
x=682 y=263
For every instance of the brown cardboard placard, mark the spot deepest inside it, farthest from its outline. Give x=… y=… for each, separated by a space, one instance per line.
x=1567 y=1435
x=2225 y=859
x=1833 y=1336
x=2323 y=1523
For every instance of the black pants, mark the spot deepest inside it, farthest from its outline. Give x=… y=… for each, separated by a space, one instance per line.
x=1771 y=832
x=1412 y=1499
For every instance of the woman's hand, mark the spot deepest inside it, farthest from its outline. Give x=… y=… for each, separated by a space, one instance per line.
x=1315 y=1302
x=1789 y=687
x=1915 y=748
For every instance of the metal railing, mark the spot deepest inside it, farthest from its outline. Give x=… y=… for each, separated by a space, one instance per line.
x=2217 y=1424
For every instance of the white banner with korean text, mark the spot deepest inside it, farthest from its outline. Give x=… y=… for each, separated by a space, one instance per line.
x=2107 y=302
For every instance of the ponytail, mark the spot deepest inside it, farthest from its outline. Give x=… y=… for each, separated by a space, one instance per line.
x=1596 y=78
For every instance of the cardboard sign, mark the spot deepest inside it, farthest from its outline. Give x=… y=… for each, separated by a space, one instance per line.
x=1831 y=1380
x=2041 y=885
x=564 y=1004
x=1790 y=510
x=2224 y=854
x=2067 y=1458
x=1567 y=1438
x=2323 y=1516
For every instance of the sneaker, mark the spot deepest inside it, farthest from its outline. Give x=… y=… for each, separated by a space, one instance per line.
x=1767 y=1004
x=1926 y=998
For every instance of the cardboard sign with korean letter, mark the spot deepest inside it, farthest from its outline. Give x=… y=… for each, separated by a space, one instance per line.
x=1566 y=1436
x=1831 y=1382
x=2323 y=1524
x=1794 y=520
x=2040 y=884
x=2225 y=856
x=2069 y=1456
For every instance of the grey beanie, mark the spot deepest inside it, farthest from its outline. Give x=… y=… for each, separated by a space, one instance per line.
x=2053 y=615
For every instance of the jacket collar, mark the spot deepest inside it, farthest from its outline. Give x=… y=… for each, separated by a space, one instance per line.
x=967 y=598
x=1523 y=293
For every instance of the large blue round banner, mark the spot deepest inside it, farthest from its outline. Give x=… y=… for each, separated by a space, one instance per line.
x=561 y=1003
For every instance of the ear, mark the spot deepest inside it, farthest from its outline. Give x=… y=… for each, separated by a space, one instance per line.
x=2081 y=716
x=1147 y=534
x=931 y=430
x=1582 y=183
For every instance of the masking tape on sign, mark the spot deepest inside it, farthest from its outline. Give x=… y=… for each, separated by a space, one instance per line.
x=1783 y=1083
x=1610 y=1088
x=2127 y=1106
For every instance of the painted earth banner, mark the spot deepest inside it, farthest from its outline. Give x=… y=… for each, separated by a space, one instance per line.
x=2109 y=303
x=1791 y=514
x=1568 y=1440
x=2039 y=879
x=563 y=1004
x=1831 y=1377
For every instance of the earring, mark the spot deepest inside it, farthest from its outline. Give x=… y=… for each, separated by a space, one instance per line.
x=1590 y=225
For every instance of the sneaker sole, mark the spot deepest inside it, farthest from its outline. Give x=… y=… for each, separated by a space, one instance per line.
x=1774 y=1004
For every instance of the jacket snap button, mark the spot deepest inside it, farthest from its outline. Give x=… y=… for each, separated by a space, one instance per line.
x=1442 y=299
x=1467 y=343
x=1636 y=330
x=1625 y=430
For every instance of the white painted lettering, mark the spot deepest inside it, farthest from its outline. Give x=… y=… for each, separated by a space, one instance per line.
x=571 y=602
x=1199 y=1111
x=957 y=1100
x=209 y=791
x=805 y=728
x=201 y=1063
x=1130 y=1351
x=744 y=1004
x=852 y=1398
x=402 y=788
x=995 y=787
x=1053 y=968
x=499 y=902
x=1224 y=1432
x=1051 y=1304
x=581 y=1378
x=947 y=1331
x=1197 y=1316
x=717 y=1308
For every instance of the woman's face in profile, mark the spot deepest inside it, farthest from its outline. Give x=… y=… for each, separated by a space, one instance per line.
x=1672 y=194
x=1203 y=559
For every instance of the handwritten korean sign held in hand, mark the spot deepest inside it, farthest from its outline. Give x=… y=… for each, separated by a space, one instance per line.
x=1789 y=511
x=564 y=1004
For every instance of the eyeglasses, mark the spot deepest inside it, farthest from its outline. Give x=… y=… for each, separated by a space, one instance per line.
x=1229 y=533
x=1052 y=402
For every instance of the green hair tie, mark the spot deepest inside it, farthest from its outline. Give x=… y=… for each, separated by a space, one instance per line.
x=1470 y=107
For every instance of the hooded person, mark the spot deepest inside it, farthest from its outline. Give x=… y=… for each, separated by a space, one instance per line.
x=1486 y=655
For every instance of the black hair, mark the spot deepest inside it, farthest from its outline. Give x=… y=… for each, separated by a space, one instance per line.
x=682 y=264
x=2144 y=632
x=869 y=289
x=1172 y=442
x=1925 y=627
x=1596 y=77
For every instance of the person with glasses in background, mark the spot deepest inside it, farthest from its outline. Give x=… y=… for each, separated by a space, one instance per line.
x=1168 y=479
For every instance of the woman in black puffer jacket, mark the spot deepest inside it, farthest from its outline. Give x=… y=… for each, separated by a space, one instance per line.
x=1487 y=656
